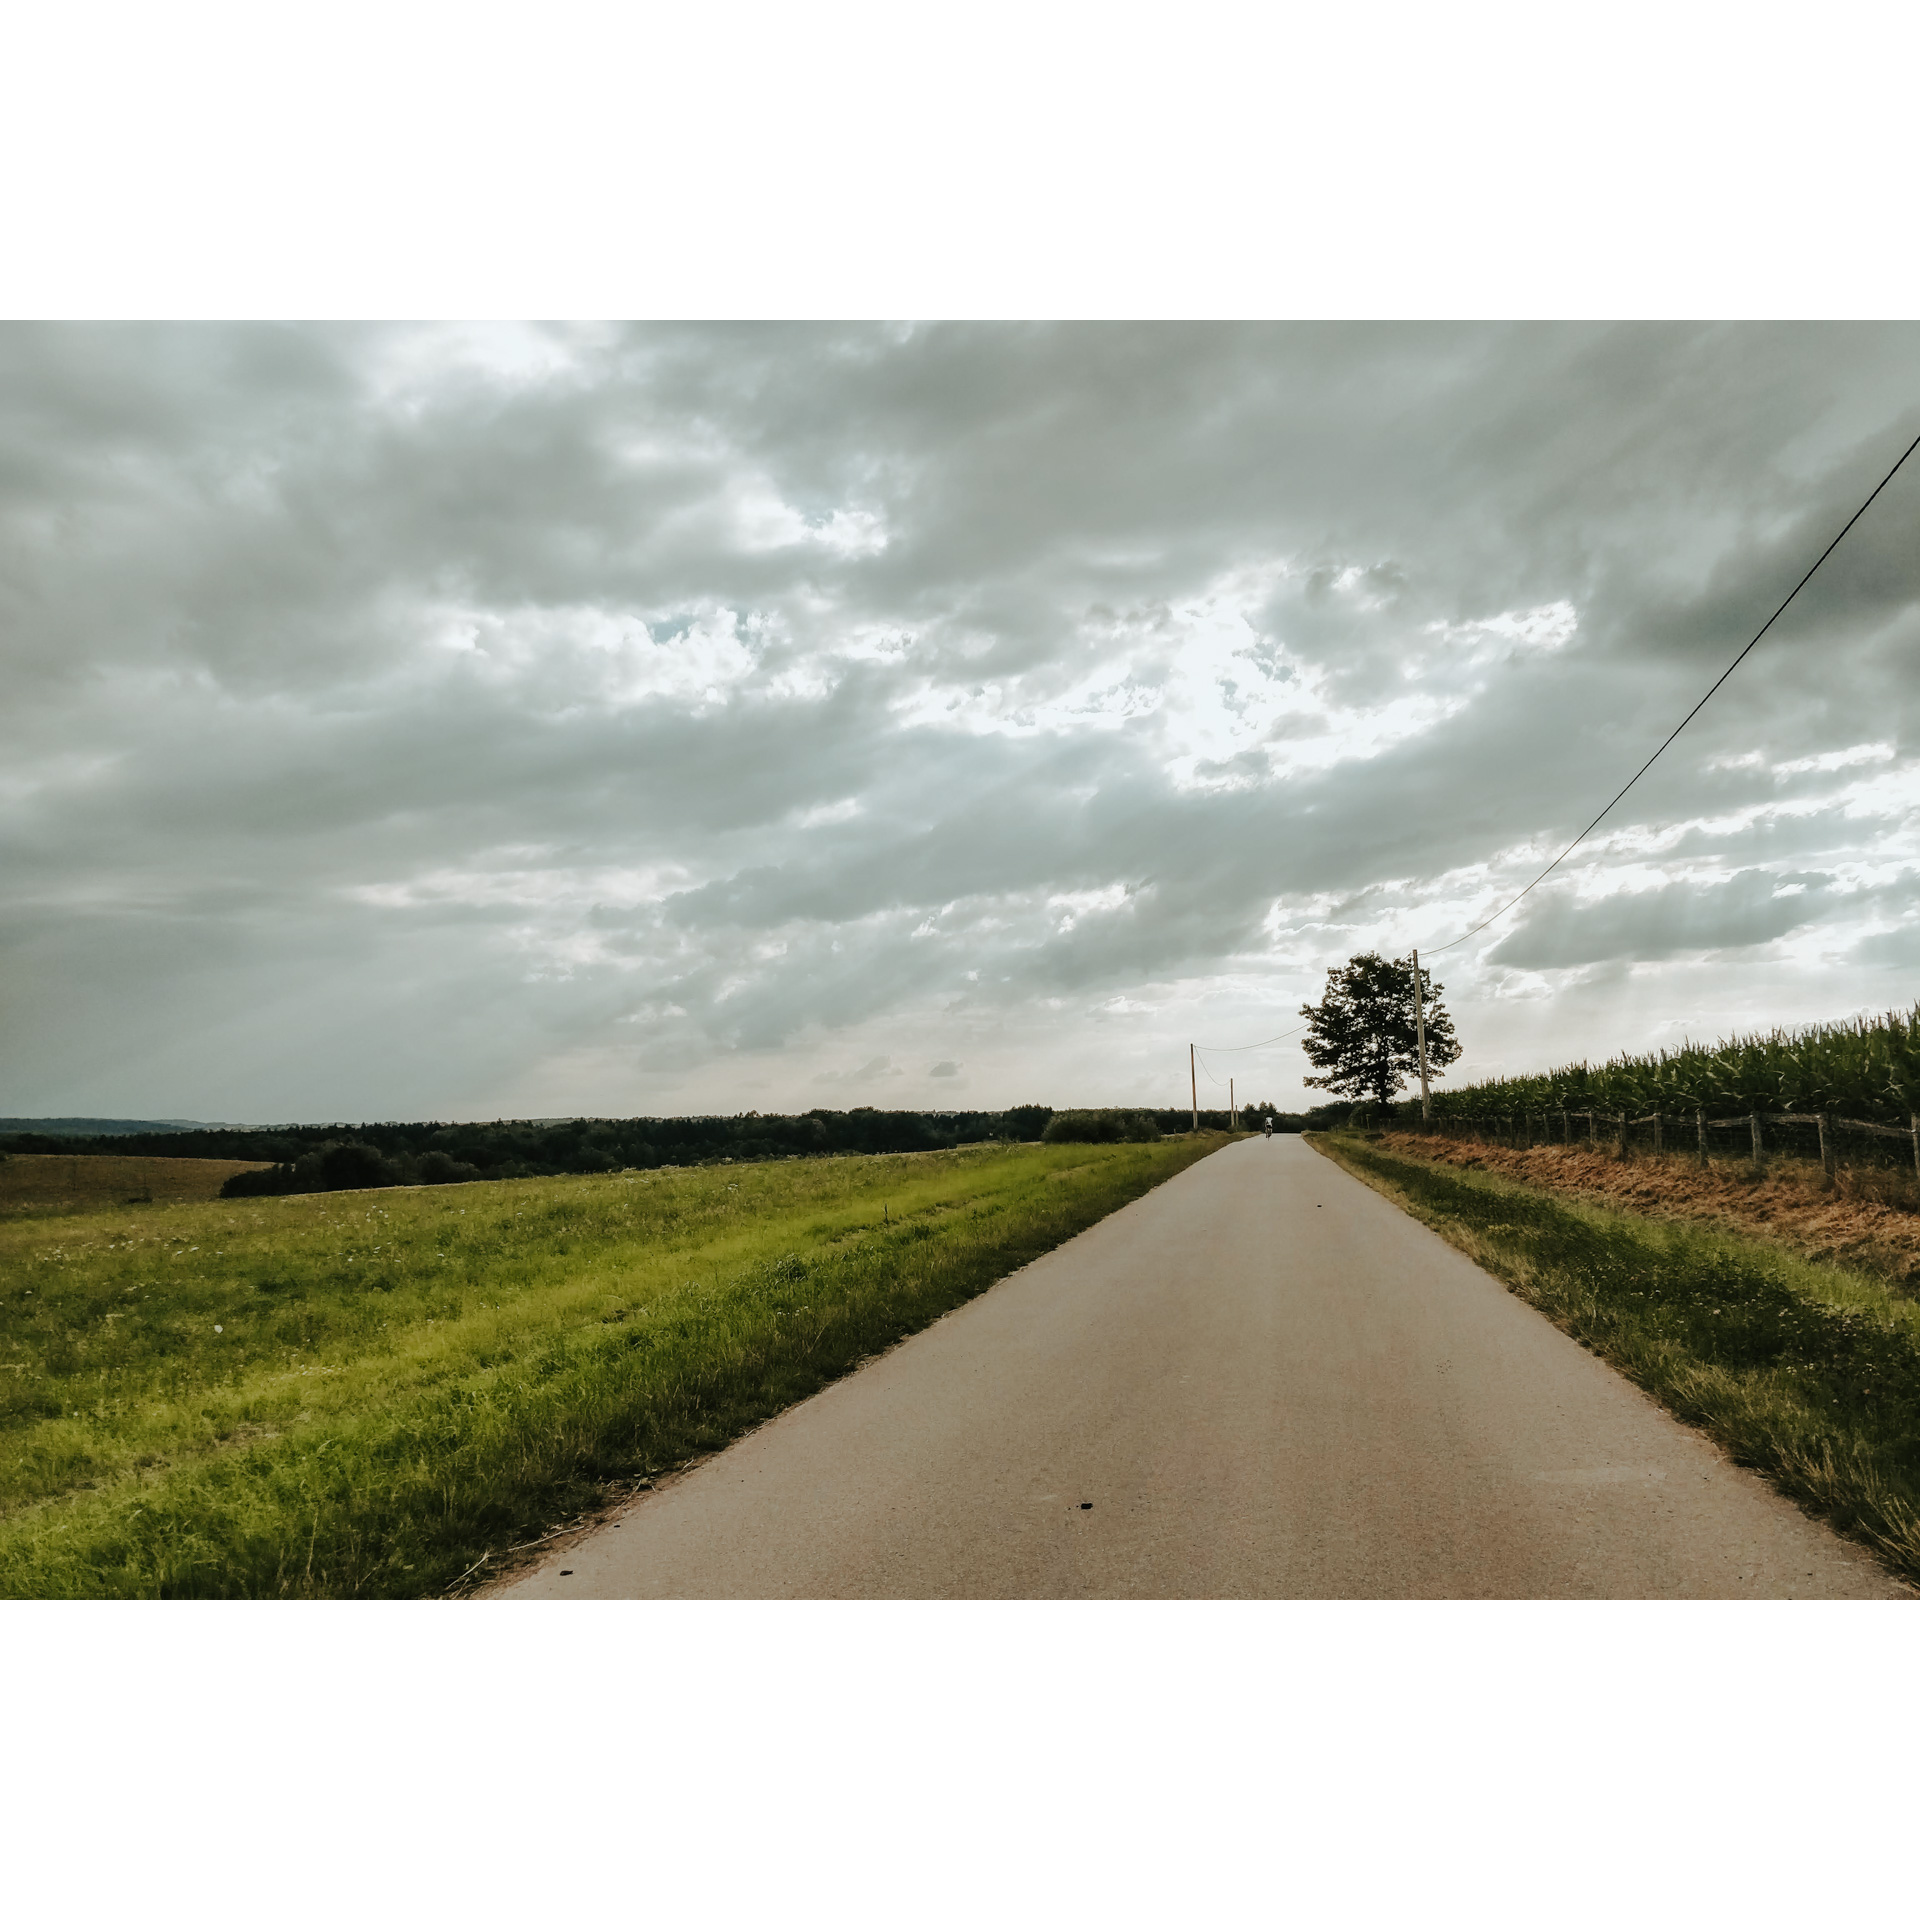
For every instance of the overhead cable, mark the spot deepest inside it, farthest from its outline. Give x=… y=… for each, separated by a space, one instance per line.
x=1482 y=926
x=1253 y=1044
x=1698 y=704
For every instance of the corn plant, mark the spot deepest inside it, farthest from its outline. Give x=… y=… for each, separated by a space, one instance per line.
x=1867 y=1068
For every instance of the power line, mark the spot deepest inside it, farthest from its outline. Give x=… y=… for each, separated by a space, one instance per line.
x=1207 y=1070
x=1651 y=758
x=1698 y=704
x=1253 y=1044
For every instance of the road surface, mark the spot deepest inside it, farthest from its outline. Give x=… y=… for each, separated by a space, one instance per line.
x=1262 y=1380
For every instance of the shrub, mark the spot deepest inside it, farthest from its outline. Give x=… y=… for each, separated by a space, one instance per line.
x=344 y=1164
x=438 y=1169
x=337 y=1167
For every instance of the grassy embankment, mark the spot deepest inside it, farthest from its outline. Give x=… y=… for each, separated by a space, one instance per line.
x=1863 y=1218
x=1807 y=1371
x=363 y=1393
x=55 y=1183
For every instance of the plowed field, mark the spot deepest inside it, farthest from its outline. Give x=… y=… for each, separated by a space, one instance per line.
x=56 y=1183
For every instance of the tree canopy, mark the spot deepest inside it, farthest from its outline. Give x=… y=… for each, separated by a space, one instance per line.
x=1362 y=1036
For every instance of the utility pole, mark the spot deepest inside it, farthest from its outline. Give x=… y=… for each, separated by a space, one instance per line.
x=1420 y=1028
x=1233 y=1112
x=1193 y=1074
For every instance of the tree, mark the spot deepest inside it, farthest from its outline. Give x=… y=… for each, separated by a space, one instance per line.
x=1362 y=1034
x=1107 y=1126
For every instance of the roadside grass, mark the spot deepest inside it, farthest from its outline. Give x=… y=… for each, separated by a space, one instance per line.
x=1808 y=1372
x=1865 y=1218
x=65 y=1183
x=364 y=1394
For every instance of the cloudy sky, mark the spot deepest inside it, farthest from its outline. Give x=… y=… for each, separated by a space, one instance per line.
x=470 y=720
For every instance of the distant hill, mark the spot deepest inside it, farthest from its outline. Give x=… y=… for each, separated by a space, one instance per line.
x=96 y=1128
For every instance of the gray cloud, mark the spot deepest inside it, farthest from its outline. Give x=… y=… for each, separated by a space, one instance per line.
x=1688 y=916
x=466 y=720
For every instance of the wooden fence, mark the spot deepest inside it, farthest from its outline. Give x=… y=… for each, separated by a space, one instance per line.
x=1545 y=1125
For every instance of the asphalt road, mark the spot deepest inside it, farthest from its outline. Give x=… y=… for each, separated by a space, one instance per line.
x=1261 y=1381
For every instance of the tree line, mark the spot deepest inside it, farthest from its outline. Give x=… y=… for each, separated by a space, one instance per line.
x=326 y=1158
x=512 y=1149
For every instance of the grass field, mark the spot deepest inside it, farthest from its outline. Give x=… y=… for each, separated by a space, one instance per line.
x=1806 y=1370
x=364 y=1393
x=60 y=1183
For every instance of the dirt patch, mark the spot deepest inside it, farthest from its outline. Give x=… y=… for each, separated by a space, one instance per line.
x=1785 y=1202
x=60 y=1183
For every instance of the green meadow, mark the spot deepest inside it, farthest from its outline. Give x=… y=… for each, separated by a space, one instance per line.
x=374 y=1393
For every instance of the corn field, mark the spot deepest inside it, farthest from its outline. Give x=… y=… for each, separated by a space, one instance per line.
x=1861 y=1076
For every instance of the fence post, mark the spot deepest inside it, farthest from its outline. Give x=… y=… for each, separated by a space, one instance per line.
x=1620 y=1127
x=1566 y=1128
x=1826 y=1149
x=1700 y=1115
x=1753 y=1121
x=1593 y=1128
x=1913 y=1130
x=1657 y=1142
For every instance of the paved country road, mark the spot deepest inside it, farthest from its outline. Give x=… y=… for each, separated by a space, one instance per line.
x=1262 y=1380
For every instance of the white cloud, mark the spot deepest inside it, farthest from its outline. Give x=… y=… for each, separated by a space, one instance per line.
x=431 y=719
x=1534 y=629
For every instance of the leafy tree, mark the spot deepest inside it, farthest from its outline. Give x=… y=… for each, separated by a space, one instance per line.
x=1362 y=1035
x=344 y=1164
x=438 y=1169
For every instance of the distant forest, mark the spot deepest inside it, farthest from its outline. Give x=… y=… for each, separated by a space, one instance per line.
x=407 y=1153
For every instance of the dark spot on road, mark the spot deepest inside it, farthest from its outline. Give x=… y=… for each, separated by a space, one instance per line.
x=565 y=1572
x=1086 y=1506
